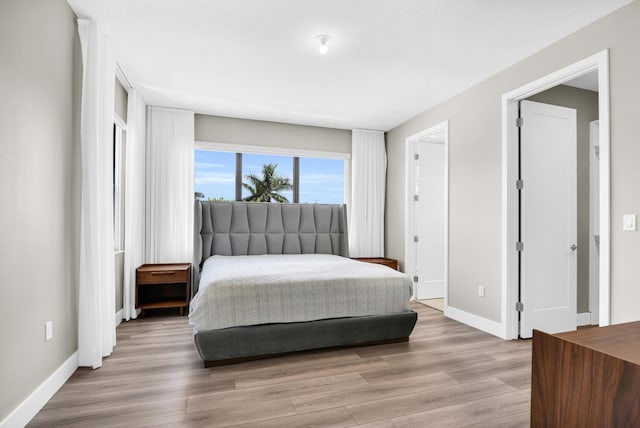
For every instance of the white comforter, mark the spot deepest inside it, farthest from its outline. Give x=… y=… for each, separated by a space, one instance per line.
x=251 y=290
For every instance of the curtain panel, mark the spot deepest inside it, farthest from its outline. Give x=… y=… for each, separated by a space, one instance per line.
x=169 y=186
x=134 y=216
x=96 y=288
x=368 y=178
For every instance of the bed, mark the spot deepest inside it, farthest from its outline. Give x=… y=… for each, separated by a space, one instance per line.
x=276 y=278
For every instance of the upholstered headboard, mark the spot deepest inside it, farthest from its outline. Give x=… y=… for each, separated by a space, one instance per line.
x=254 y=228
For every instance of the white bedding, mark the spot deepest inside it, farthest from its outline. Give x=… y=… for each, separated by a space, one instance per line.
x=250 y=290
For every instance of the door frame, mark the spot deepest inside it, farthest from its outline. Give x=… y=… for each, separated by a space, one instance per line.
x=510 y=286
x=593 y=247
x=408 y=219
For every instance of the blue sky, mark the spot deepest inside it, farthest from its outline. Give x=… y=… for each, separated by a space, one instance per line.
x=321 y=180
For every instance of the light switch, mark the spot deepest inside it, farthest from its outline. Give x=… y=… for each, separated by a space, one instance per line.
x=629 y=222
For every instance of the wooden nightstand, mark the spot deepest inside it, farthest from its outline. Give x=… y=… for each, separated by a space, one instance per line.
x=163 y=286
x=392 y=263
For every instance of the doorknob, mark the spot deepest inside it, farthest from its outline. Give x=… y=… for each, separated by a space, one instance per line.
x=573 y=247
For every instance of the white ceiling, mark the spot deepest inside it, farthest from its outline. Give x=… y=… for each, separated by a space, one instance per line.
x=388 y=60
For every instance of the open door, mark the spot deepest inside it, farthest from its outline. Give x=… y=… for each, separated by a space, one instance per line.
x=429 y=222
x=548 y=218
x=426 y=209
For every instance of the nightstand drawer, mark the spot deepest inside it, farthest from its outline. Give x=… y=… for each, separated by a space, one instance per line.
x=162 y=275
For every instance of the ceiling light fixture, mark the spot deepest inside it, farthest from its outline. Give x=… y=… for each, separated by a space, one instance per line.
x=324 y=39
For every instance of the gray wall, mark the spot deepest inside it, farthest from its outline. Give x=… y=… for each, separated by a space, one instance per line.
x=475 y=167
x=39 y=188
x=228 y=130
x=120 y=101
x=586 y=105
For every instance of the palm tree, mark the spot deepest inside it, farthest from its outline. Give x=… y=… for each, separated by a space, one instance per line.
x=266 y=188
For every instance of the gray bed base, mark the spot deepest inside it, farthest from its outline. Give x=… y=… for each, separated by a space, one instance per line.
x=244 y=228
x=237 y=344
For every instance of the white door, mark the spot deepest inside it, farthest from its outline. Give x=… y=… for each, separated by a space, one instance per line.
x=429 y=219
x=548 y=218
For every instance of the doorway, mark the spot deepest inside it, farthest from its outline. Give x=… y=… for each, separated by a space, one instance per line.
x=427 y=213
x=511 y=303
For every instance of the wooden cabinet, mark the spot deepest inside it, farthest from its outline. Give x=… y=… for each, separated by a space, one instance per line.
x=586 y=378
x=392 y=263
x=163 y=286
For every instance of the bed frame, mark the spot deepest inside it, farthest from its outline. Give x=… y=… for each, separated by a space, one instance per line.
x=246 y=228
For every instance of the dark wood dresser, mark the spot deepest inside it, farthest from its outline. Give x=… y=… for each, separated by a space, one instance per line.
x=586 y=378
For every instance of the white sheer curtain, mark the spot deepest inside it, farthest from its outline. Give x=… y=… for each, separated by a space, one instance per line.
x=96 y=290
x=134 y=200
x=368 y=177
x=169 y=191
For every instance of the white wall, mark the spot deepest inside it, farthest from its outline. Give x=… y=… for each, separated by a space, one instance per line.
x=40 y=76
x=475 y=167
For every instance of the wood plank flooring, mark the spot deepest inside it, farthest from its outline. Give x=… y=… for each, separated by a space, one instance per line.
x=433 y=303
x=447 y=375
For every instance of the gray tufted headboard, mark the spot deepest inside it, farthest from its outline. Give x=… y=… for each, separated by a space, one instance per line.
x=254 y=228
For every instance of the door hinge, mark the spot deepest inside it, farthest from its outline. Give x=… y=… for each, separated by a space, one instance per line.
x=416 y=198
x=519 y=122
x=415 y=278
x=416 y=156
x=416 y=238
x=597 y=151
x=519 y=184
x=519 y=246
x=519 y=306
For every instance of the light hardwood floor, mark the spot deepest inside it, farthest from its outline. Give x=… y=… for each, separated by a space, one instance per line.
x=433 y=303
x=447 y=375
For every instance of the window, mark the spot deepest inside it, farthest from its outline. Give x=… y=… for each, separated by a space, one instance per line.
x=263 y=168
x=214 y=175
x=225 y=176
x=118 y=186
x=321 y=181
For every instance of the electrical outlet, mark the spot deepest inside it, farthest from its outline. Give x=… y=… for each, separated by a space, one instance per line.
x=480 y=290
x=48 y=331
x=629 y=222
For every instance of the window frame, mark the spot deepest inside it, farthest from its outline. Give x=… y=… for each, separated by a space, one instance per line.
x=119 y=221
x=294 y=153
x=119 y=178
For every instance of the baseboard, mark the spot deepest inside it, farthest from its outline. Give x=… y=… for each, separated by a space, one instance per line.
x=119 y=317
x=584 y=318
x=21 y=415
x=475 y=321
